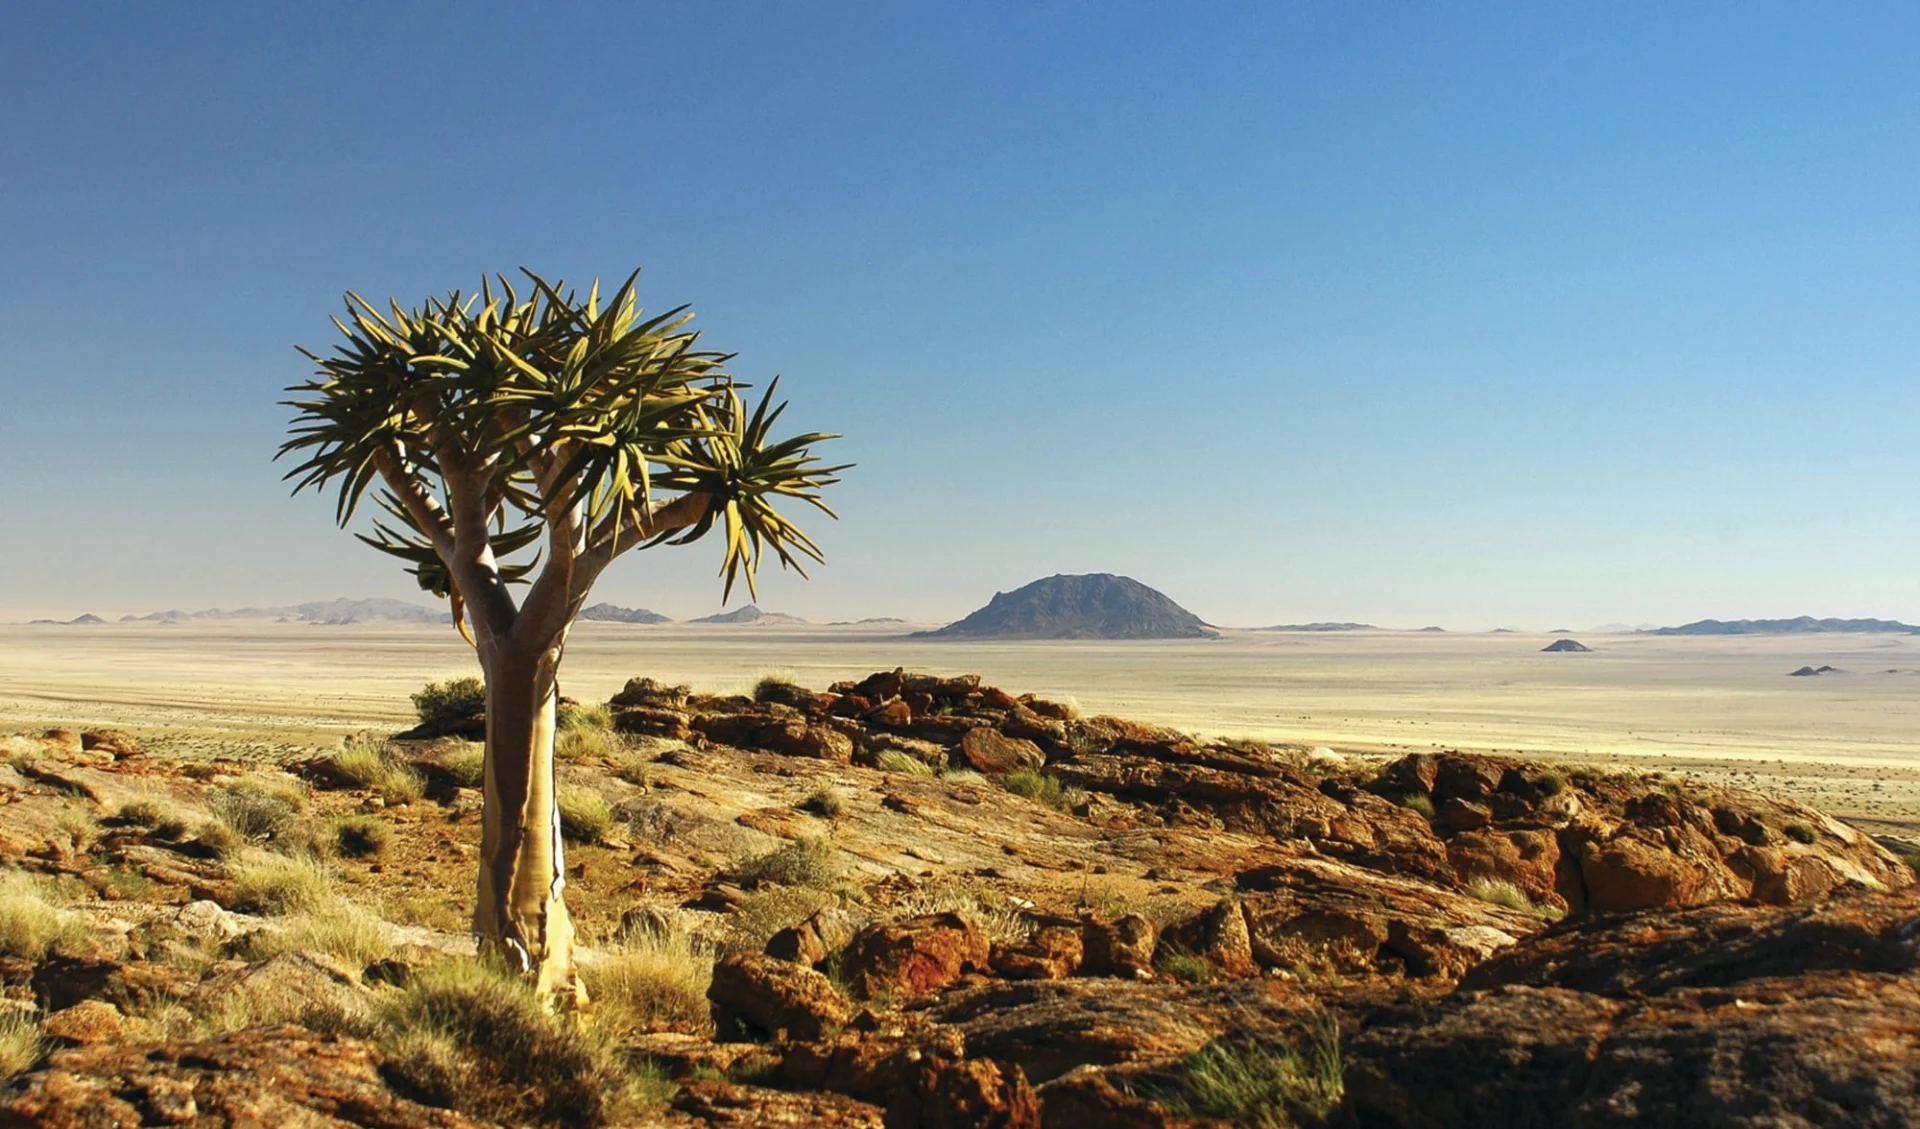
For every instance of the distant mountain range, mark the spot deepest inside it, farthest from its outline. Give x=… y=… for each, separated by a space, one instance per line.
x=1093 y=606
x=612 y=613
x=1799 y=625
x=1319 y=627
x=329 y=612
x=748 y=614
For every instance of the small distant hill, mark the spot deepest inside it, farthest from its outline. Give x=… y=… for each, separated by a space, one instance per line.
x=1319 y=627
x=1436 y=628
x=870 y=621
x=1095 y=605
x=1812 y=671
x=1799 y=625
x=749 y=614
x=81 y=620
x=613 y=613
x=1566 y=645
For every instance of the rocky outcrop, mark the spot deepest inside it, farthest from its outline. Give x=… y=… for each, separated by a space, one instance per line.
x=1720 y=1015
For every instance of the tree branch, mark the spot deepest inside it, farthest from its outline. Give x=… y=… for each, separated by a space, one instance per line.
x=562 y=589
x=473 y=566
x=419 y=502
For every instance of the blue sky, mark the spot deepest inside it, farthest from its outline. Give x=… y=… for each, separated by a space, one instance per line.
x=1478 y=315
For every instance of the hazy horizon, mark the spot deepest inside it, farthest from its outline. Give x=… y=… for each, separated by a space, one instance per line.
x=1476 y=317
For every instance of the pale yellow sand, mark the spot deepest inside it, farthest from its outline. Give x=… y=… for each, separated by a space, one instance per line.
x=1719 y=707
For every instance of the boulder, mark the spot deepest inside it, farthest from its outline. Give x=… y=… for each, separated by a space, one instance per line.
x=1053 y=952
x=823 y=933
x=974 y=1093
x=1220 y=937
x=915 y=956
x=766 y=996
x=996 y=754
x=1122 y=947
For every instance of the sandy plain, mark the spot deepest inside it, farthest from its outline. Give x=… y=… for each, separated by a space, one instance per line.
x=1715 y=708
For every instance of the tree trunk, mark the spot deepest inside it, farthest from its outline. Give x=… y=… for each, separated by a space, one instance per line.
x=520 y=915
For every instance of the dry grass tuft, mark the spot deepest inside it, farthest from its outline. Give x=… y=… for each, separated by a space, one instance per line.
x=21 y=1044
x=369 y=763
x=585 y=815
x=362 y=836
x=906 y=764
x=259 y=808
x=345 y=931
x=280 y=884
x=474 y=1038
x=803 y=862
x=652 y=982
x=465 y=765
x=765 y=912
x=34 y=920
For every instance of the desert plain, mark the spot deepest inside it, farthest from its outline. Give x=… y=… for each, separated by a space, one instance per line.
x=1718 y=709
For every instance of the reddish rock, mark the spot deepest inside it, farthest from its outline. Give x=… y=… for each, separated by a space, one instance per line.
x=944 y=1093
x=1628 y=873
x=1528 y=858
x=995 y=754
x=894 y=715
x=1220 y=937
x=646 y=693
x=718 y=1104
x=769 y=996
x=1123 y=947
x=259 y=1077
x=87 y=1022
x=1054 y=952
x=915 y=956
x=813 y=940
x=646 y=722
x=115 y=741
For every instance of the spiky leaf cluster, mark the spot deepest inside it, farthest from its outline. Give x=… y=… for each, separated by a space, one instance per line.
x=555 y=409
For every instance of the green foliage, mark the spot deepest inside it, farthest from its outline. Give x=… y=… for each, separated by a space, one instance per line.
x=1802 y=833
x=1258 y=1083
x=1182 y=964
x=362 y=836
x=1419 y=802
x=440 y=702
x=561 y=401
x=472 y=1037
x=585 y=815
x=801 y=862
x=1500 y=892
x=1037 y=785
x=1551 y=782
x=587 y=743
x=906 y=764
x=592 y=715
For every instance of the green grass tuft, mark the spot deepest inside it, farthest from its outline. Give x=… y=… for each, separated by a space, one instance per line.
x=1036 y=785
x=1419 y=802
x=34 y=920
x=280 y=884
x=465 y=766
x=1258 y=1083
x=366 y=763
x=1802 y=833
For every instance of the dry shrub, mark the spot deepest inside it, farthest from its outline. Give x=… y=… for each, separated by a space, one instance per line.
x=906 y=764
x=765 y=912
x=155 y=814
x=468 y=1036
x=654 y=981
x=802 y=862
x=362 y=836
x=826 y=802
x=219 y=840
x=259 y=808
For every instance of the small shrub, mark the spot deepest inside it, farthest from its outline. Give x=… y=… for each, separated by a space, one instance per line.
x=441 y=702
x=769 y=686
x=652 y=982
x=33 y=919
x=826 y=802
x=1551 y=783
x=585 y=816
x=369 y=764
x=1005 y=923
x=280 y=884
x=362 y=836
x=1802 y=833
x=21 y=1044
x=906 y=764
x=466 y=766
x=474 y=1038
x=1262 y=1084
x=259 y=809
x=1036 y=785
x=18 y=750
x=1418 y=802
x=802 y=862
x=964 y=776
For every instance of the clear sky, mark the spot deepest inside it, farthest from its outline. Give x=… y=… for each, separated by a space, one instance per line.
x=1533 y=315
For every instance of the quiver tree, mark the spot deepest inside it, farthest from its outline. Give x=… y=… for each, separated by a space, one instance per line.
x=532 y=440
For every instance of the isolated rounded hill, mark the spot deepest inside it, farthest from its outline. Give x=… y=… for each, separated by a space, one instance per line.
x=1092 y=606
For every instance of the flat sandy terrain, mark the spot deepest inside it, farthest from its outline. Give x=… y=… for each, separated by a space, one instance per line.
x=1722 y=708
